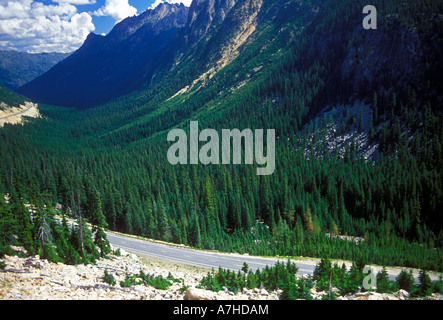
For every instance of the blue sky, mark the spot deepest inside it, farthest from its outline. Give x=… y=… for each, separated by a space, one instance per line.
x=62 y=25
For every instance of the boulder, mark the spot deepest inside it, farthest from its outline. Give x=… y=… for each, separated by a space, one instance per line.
x=402 y=294
x=373 y=296
x=33 y=262
x=198 y=294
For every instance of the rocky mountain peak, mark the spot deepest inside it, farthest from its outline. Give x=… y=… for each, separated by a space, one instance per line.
x=204 y=14
x=163 y=17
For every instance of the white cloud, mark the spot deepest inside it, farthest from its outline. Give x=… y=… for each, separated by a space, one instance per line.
x=117 y=9
x=155 y=4
x=33 y=26
x=187 y=3
x=78 y=2
x=27 y=25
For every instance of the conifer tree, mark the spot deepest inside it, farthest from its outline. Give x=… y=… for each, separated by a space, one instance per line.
x=8 y=226
x=163 y=225
x=425 y=286
x=210 y=208
x=309 y=226
x=194 y=232
x=405 y=280
x=25 y=230
x=99 y=225
x=43 y=221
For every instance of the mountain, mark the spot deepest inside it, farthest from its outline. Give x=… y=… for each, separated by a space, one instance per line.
x=358 y=134
x=18 y=68
x=104 y=66
x=161 y=46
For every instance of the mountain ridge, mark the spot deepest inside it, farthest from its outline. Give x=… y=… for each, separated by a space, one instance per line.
x=18 y=68
x=101 y=69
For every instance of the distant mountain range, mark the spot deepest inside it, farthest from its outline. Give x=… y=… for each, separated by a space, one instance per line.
x=18 y=68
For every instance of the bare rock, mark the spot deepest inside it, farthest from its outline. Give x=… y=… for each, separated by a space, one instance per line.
x=33 y=262
x=402 y=294
x=373 y=296
x=198 y=294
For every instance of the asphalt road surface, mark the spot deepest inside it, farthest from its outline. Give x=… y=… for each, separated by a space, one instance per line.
x=18 y=113
x=215 y=260
x=197 y=257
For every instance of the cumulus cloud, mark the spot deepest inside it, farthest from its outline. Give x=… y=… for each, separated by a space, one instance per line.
x=187 y=3
x=117 y=9
x=77 y=2
x=27 y=25
x=57 y=26
x=155 y=4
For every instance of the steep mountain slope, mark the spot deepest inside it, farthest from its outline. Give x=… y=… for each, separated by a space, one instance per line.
x=104 y=66
x=18 y=68
x=9 y=98
x=218 y=31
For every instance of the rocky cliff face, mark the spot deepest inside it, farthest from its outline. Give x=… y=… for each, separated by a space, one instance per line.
x=215 y=34
x=393 y=51
x=164 y=17
x=205 y=15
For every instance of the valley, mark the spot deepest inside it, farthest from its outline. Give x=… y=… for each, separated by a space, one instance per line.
x=355 y=118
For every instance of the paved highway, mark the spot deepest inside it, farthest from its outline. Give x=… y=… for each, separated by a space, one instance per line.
x=197 y=257
x=215 y=260
x=18 y=113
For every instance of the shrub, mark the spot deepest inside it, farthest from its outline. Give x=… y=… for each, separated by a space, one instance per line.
x=438 y=285
x=109 y=278
x=298 y=289
x=157 y=282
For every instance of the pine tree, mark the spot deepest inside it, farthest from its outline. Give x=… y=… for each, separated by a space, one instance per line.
x=65 y=193
x=99 y=225
x=8 y=225
x=266 y=203
x=209 y=203
x=43 y=221
x=405 y=280
x=309 y=226
x=334 y=228
x=383 y=282
x=194 y=232
x=163 y=225
x=425 y=287
x=25 y=230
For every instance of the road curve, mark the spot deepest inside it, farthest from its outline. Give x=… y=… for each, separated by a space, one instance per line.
x=229 y=261
x=18 y=113
x=198 y=258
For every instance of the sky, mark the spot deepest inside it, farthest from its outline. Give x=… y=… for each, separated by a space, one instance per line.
x=36 y=26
